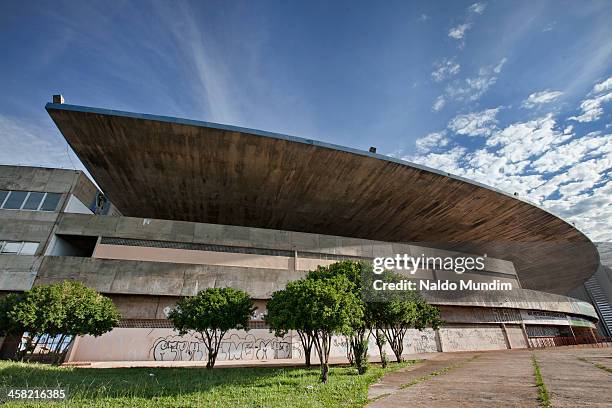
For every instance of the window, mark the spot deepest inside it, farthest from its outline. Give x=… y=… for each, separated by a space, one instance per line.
x=18 y=248
x=51 y=201
x=28 y=248
x=11 y=247
x=3 y=195
x=33 y=201
x=15 y=200
x=29 y=200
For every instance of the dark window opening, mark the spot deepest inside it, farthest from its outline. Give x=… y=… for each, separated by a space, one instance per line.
x=74 y=245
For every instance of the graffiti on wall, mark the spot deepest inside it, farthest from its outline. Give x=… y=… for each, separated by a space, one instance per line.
x=233 y=347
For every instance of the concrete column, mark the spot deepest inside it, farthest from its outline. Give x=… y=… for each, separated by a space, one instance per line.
x=593 y=334
x=295 y=260
x=438 y=341
x=573 y=334
x=525 y=334
x=503 y=326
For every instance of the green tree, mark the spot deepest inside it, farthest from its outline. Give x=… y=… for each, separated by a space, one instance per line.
x=285 y=312
x=330 y=307
x=8 y=325
x=212 y=313
x=65 y=309
x=358 y=338
x=393 y=317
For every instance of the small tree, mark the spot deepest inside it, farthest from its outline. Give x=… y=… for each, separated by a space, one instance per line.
x=284 y=313
x=211 y=313
x=394 y=317
x=330 y=307
x=358 y=337
x=65 y=309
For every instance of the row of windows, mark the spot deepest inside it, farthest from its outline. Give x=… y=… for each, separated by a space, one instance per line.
x=29 y=200
x=18 y=248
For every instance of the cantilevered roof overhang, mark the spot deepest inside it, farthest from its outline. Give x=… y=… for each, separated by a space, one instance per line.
x=169 y=168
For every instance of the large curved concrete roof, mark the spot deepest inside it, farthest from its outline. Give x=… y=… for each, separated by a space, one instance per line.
x=169 y=168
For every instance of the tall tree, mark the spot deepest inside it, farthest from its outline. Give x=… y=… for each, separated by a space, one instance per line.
x=211 y=314
x=330 y=307
x=357 y=273
x=285 y=312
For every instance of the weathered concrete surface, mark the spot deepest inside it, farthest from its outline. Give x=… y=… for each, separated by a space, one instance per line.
x=483 y=379
x=394 y=382
x=251 y=178
x=573 y=382
x=500 y=378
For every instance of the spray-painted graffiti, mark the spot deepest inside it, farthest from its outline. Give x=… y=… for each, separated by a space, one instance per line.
x=233 y=347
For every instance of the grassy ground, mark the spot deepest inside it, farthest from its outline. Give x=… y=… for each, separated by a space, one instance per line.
x=184 y=387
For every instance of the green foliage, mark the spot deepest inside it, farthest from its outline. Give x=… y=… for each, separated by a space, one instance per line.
x=397 y=312
x=8 y=325
x=211 y=313
x=191 y=387
x=66 y=308
x=285 y=312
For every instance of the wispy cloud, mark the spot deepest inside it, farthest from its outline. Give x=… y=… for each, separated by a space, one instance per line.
x=28 y=144
x=445 y=69
x=540 y=98
x=471 y=89
x=459 y=31
x=592 y=108
x=475 y=124
x=478 y=8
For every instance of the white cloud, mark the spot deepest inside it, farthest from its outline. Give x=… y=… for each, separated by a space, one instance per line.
x=472 y=89
x=458 y=32
x=523 y=140
x=592 y=107
x=562 y=156
x=540 y=160
x=438 y=103
x=433 y=140
x=549 y=27
x=475 y=124
x=445 y=68
x=540 y=98
x=423 y=17
x=478 y=8
x=447 y=161
x=603 y=86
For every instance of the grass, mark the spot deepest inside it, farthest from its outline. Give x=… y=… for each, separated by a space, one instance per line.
x=598 y=365
x=186 y=387
x=542 y=391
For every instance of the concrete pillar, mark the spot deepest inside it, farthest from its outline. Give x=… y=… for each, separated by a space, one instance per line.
x=594 y=336
x=573 y=334
x=438 y=341
x=503 y=326
x=525 y=334
x=295 y=260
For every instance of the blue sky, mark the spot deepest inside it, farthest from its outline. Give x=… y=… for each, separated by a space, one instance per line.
x=514 y=94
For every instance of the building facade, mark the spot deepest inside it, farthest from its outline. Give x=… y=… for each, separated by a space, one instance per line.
x=239 y=209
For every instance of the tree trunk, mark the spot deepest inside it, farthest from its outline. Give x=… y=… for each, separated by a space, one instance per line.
x=307 y=340
x=359 y=346
x=380 y=343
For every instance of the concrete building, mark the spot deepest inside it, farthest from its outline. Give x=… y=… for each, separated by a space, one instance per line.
x=188 y=205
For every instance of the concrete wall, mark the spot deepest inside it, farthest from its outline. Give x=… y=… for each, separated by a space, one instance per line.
x=134 y=344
